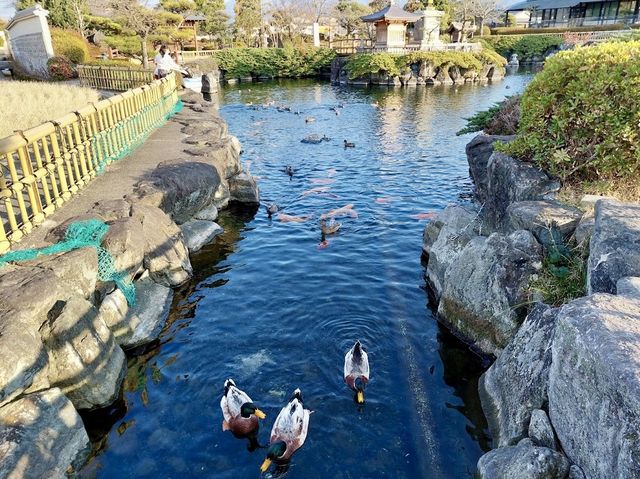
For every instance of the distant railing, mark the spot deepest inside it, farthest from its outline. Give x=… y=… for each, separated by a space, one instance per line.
x=43 y=167
x=578 y=37
x=113 y=78
x=193 y=55
x=412 y=47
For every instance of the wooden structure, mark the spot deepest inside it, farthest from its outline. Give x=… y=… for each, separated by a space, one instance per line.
x=191 y=21
x=568 y=13
x=391 y=27
x=44 y=167
x=113 y=78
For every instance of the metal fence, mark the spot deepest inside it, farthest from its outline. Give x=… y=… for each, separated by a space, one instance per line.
x=43 y=167
x=194 y=55
x=113 y=78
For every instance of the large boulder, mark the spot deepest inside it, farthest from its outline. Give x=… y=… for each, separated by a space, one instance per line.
x=149 y=315
x=166 y=256
x=614 y=250
x=244 y=189
x=84 y=360
x=541 y=431
x=594 y=385
x=510 y=180
x=212 y=128
x=517 y=383
x=445 y=238
x=198 y=233
x=629 y=286
x=479 y=150
x=223 y=153
x=41 y=436
x=186 y=187
x=540 y=217
x=524 y=461
x=125 y=242
x=485 y=289
x=113 y=311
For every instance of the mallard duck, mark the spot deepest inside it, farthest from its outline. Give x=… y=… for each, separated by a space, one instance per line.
x=240 y=414
x=289 y=431
x=272 y=209
x=349 y=145
x=289 y=170
x=356 y=370
x=329 y=228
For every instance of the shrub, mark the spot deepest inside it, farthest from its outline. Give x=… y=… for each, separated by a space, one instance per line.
x=500 y=119
x=61 y=68
x=70 y=44
x=531 y=31
x=103 y=24
x=580 y=115
x=486 y=31
x=125 y=44
x=115 y=63
x=525 y=46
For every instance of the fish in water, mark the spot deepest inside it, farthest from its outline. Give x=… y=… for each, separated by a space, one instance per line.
x=385 y=200
x=322 y=181
x=348 y=144
x=424 y=216
x=346 y=210
x=356 y=370
x=316 y=190
x=330 y=227
x=288 y=433
x=331 y=172
x=292 y=219
x=272 y=209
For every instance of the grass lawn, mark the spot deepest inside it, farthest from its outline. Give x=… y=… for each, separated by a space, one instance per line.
x=24 y=105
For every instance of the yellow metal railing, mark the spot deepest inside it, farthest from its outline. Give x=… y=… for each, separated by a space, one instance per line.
x=113 y=78
x=43 y=167
x=192 y=55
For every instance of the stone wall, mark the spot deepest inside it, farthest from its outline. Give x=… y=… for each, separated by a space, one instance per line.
x=30 y=41
x=64 y=335
x=561 y=398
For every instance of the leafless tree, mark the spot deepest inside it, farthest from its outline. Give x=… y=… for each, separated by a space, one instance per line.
x=485 y=11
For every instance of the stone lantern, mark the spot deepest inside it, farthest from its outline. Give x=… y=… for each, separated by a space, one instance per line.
x=427 y=29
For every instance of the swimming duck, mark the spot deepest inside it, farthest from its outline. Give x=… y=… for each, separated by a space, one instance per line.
x=240 y=414
x=309 y=119
x=271 y=209
x=356 y=370
x=289 y=170
x=329 y=228
x=289 y=431
x=349 y=145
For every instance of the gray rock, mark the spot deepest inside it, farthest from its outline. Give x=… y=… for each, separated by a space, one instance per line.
x=455 y=227
x=76 y=269
x=224 y=154
x=485 y=289
x=576 y=473
x=594 y=385
x=214 y=127
x=187 y=187
x=222 y=196
x=210 y=213
x=588 y=202
x=111 y=210
x=524 y=461
x=509 y=181
x=149 y=315
x=166 y=256
x=190 y=97
x=629 y=286
x=113 y=312
x=210 y=82
x=41 y=435
x=517 y=382
x=84 y=360
x=479 y=150
x=614 y=250
x=540 y=216
x=244 y=189
x=198 y=233
x=584 y=230
x=125 y=242
x=541 y=431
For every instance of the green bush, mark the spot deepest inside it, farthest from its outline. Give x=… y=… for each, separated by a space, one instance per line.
x=360 y=65
x=580 y=115
x=531 y=31
x=125 y=44
x=70 y=44
x=500 y=119
x=526 y=46
x=61 y=68
x=114 y=63
x=102 y=24
x=486 y=31
x=286 y=62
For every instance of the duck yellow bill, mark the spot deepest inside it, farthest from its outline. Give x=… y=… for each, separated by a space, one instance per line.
x=360 y=397
x=265 y=465
x=260 y=414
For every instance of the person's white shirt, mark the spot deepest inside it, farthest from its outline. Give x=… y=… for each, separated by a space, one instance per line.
x=157 y=61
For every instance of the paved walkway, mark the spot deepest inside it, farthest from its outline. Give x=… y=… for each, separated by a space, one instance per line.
x=117 y=180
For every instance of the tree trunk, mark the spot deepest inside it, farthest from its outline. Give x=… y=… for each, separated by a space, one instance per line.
x=145 y=53
x=482 y=27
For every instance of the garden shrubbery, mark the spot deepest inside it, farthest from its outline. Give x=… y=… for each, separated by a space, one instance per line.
x=525 y=46
x=371 y=63
x=273 y=62
x=500 y=119
x=61 y=68
x=126 y=44
x=580 y=116
x=525 y=31
x=69 y=44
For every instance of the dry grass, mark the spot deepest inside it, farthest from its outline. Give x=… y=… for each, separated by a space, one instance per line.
x=622 y=189
x=24 y=105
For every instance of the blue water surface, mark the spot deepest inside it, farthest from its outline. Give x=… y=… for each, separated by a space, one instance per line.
x=275 y=309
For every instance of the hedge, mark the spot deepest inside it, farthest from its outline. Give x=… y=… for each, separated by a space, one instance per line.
x=532 y=31
x=273 y=62
x=360 y=65
x=69 y=44
x=580 y=115
x=525 y=46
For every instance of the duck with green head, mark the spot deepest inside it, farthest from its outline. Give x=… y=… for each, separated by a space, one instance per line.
x=288 y=433
x=241 y=416
x=356 y=370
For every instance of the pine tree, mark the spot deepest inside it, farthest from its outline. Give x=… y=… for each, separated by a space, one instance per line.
x=248 y=20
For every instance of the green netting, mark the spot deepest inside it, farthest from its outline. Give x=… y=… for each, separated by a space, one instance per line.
x=81 y=234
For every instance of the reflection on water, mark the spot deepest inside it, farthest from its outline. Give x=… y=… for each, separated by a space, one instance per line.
x=275 y=311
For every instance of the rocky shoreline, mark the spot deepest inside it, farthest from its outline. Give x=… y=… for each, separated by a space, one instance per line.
x=563 y=395
x=64 y=334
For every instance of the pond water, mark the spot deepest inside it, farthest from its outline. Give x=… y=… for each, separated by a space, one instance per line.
x=273 y=308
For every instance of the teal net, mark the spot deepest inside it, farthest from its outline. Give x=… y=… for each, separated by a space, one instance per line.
x=81 y=234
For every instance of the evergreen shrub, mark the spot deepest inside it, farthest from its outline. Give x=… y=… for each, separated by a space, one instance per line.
x=69 y=44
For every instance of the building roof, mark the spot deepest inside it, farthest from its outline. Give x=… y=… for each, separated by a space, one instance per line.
x=546 y=4
x=392 y=12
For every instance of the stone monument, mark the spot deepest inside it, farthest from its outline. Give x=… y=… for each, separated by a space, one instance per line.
x=30 y=40
x=427 y=29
